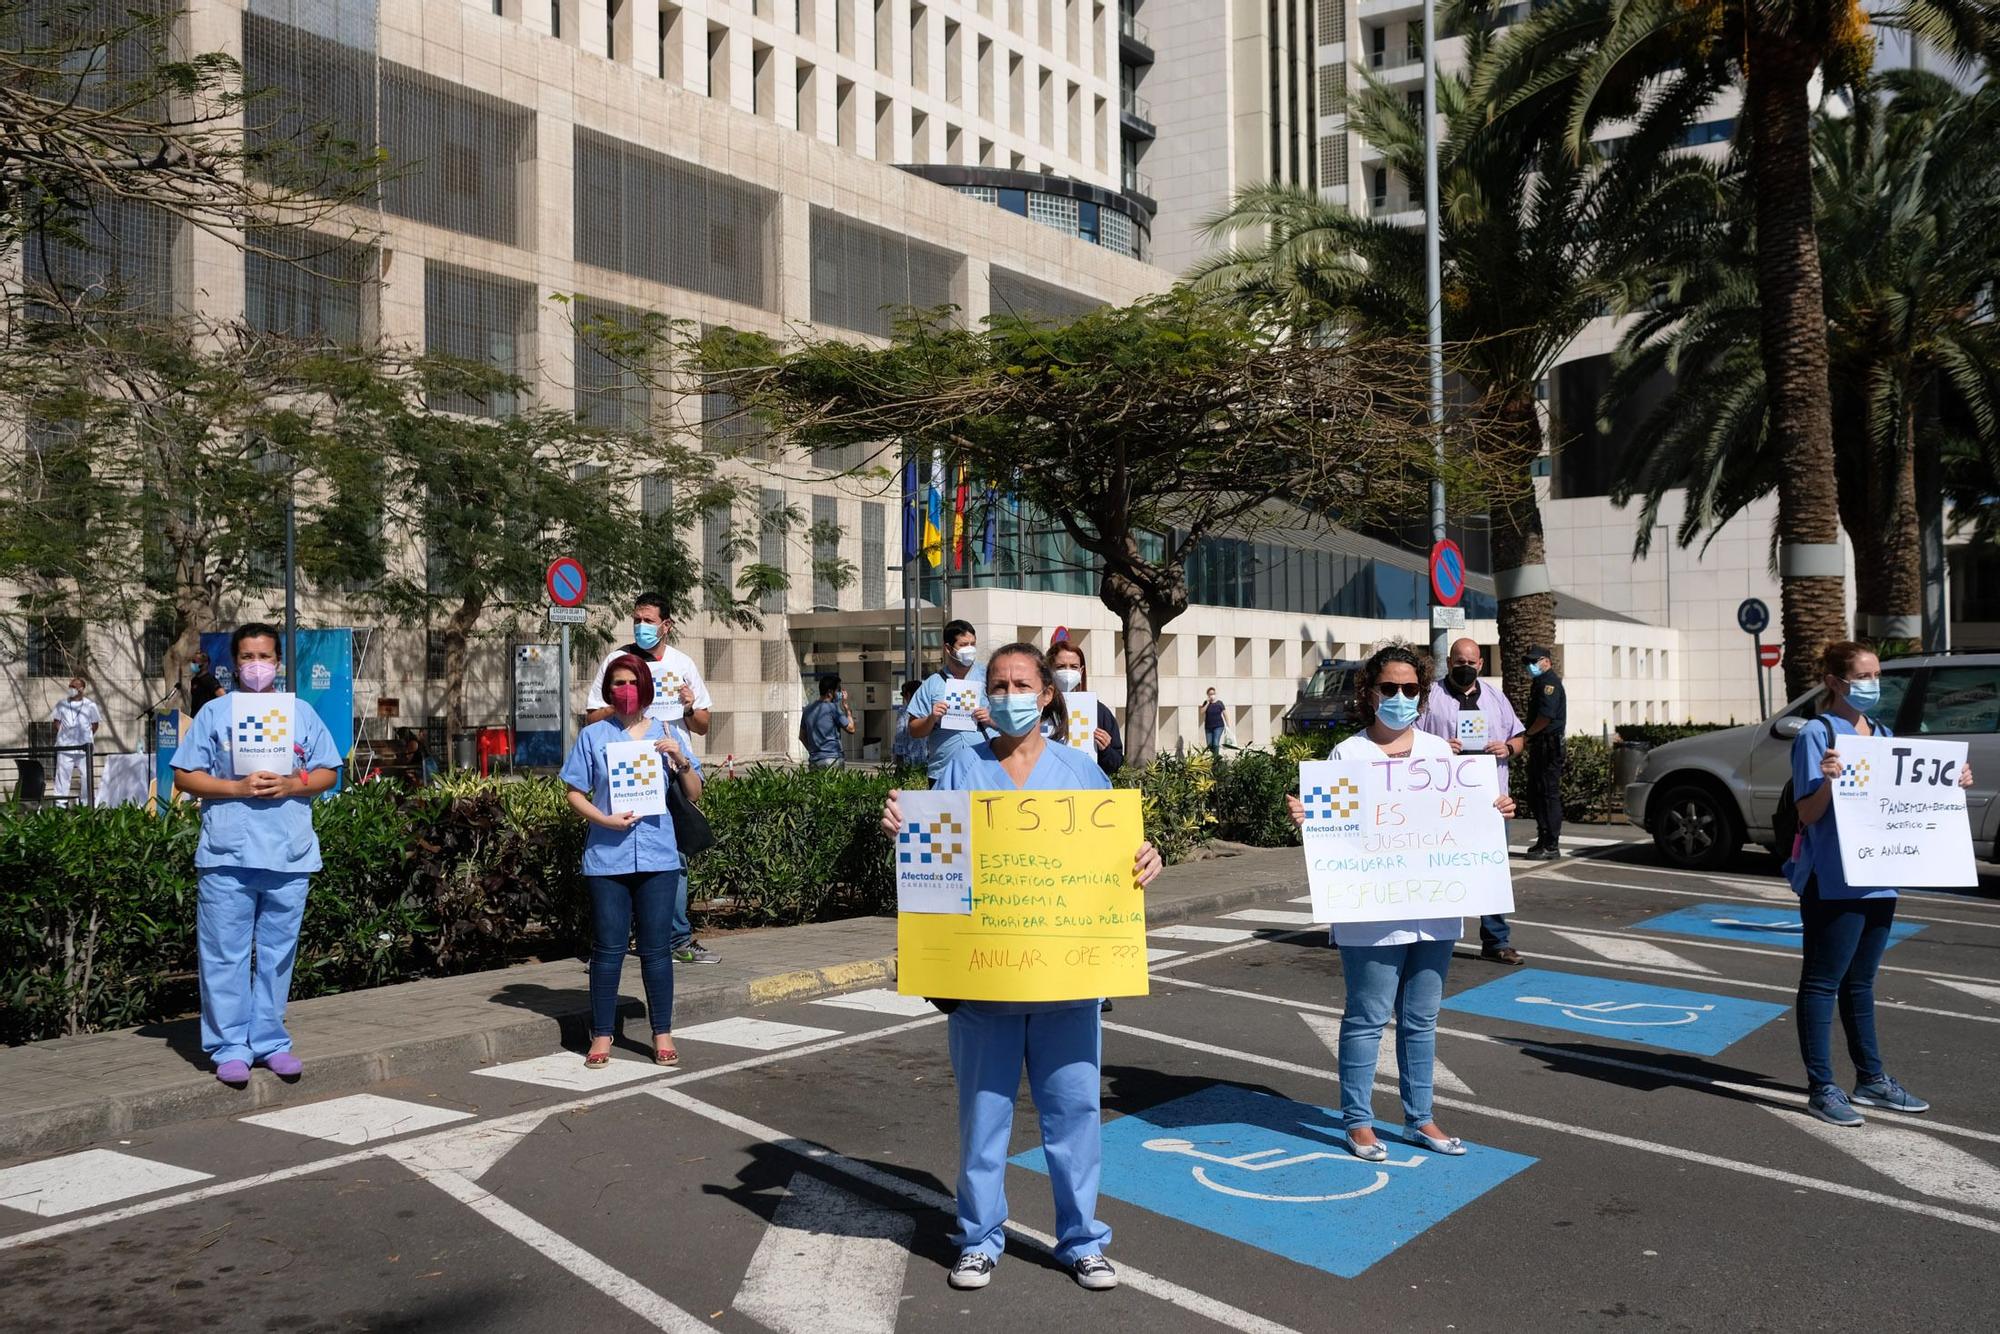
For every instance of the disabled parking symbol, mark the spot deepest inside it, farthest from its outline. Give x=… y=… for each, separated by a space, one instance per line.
x=1689 y=1021
x=1276 y=1174
x=1779 y=926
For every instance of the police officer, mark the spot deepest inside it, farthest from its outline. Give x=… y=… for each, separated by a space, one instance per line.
x=1548 y=709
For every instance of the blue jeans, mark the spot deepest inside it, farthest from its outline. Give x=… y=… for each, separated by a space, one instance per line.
x=1403 y=982
x=681 y=934
x=1843 y=945
x=1494 y=933
x=243 y=1001
x=1215 y=741
x=615 y=900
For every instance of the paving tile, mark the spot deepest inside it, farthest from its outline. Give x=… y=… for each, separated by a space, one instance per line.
x=566 y=1070
x=361 y=1118
x=756 y=1034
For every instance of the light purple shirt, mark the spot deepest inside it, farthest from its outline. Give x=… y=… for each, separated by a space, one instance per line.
x=1440 y=718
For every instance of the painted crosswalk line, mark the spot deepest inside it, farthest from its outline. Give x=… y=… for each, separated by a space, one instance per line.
x=1270 y=916
x=830 y=1262
x=1218 y=935
x=1979 y=989
x=1155 y=956
x=1620 y=950
x=756 y=1034
x=1327 y=1028
x=566 y=1070
x=1919 y=1162
x=360 y=1118
x=471 y=1152
x=79 y=1181
x=879 y=1000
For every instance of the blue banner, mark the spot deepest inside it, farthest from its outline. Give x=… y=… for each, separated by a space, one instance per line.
x=166 y=740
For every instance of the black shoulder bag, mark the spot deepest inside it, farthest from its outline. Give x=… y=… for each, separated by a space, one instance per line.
x=692 y=832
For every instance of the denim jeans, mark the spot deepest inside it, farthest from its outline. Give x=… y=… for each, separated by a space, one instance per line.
x=681 y=934
x=1494 y=933
x=615 y=901
x=1215 y=741
x=1384 y=982
x=1843 y=945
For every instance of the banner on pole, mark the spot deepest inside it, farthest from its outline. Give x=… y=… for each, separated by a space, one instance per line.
x=1395 y=838
x=1900 y=814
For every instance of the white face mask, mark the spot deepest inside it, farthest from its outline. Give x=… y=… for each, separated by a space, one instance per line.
x=1068 y=678
x=966 y=655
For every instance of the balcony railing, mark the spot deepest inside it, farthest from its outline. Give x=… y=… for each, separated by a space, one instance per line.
x=1139 y=183
x=1131 y=27
x=1132 y=104
x=1413 y=54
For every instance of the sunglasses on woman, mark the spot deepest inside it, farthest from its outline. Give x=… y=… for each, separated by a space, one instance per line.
x=1410 y=689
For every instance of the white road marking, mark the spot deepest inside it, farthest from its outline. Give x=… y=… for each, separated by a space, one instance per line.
x=756 y=1034
x=1699 y=943
x=1158 y=956
x=472 y=1151
x=559 y=1250
x=79 y=1181
x=360 y=1118
x=1779 y=889
x=1328 y=1031
x=1780 y=894
x=1913 y=1159
x=1622 y=949
x=1270 y=916
x=1983 y=990
x=1582 y=1132
x=879 y=1000
x=829 y=1263
x=1303 y=898
x=566 y=1070
x=1129 y=1275
x=1219 y=935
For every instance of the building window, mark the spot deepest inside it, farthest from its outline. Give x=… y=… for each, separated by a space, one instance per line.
x=862 y=277
x=1015 y=294
x=55 y=647
x=457 y=155
x=771 y=546
x=153 y=645
x=609 y=392
x=826 y=552
x=479 y=319
x=121 y=258
x=1057 y=211
x=874 y=555
x=985 y=194
x=717 y=557
x=304 y=285
x=1116 y=232
x=434 y=655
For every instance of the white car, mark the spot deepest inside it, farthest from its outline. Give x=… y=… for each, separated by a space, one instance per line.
x=1704 y=797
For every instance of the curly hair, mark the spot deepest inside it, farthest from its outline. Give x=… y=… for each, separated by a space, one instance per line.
x=1371 y=672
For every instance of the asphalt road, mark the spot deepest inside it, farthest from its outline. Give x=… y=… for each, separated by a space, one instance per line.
x=1638 y=1159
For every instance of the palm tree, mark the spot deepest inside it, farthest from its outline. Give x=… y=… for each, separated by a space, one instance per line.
x=1907 y=216
x=1535 y=242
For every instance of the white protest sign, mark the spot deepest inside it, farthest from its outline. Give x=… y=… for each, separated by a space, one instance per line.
x=261 y=733
x=1900 y=814
x=934 y=852
x=1082 y=707
x=667 y=683
x=960 y=699
x=637 y=778
x=1395 y=838
x=1471 y=730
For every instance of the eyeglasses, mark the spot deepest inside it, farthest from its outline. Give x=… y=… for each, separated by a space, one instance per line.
x=1386 y=689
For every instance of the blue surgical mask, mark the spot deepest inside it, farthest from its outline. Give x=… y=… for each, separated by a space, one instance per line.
x=1864 y=695
x=645 y=634
x=1014 y=714
x=1397 y=711
x=1534 y=669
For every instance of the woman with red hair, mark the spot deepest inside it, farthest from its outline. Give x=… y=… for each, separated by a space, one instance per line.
x=631 y=863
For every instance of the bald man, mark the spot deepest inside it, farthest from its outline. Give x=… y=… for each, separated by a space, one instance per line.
x=1472 y=716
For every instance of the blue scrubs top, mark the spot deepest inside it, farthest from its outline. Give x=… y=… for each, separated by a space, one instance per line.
x=946 y=745
x=648 y=845
x=1819 y=854
x=255 y=833
x=977 y=769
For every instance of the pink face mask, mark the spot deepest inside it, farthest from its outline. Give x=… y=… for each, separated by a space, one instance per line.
x=625 y=698
x=257 y=676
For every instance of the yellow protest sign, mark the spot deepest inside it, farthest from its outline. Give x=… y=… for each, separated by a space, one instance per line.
x=1041 y=908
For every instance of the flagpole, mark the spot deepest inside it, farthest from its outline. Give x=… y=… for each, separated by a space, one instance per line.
x=1434 y=297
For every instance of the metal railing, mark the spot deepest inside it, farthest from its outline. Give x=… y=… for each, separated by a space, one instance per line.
x=1412 y=54
x=1132 y=104
x=1139 y=182
x=1130 y=26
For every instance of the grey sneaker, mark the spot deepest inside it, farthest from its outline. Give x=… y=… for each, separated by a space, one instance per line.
x=696 y=952
x=1094 y=1273
x=973 y=1270
x=1890 y=1096
x=1830 y=1104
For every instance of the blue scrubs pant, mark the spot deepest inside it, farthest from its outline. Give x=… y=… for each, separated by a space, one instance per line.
x=241 y=912
x=1061 y=1049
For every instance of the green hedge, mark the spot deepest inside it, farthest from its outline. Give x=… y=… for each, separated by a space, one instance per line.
x=1659 y=734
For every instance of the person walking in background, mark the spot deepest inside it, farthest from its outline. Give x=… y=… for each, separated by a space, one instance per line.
x=1548 y=710
x=77 y=719
x=1214 y=722
x=203 y=686
x=1473 y=717
x=823 y=722
x=1846 y=928
x=256 y=853
x=1060 y=1042
x=907 y=750
x=1392 y=969
x=1072 y=673
x=632 y=864
x=946 y=731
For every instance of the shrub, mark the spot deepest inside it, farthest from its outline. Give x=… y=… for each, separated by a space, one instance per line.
x=794 y=845
x=1249 y=798
x=1175 y=798
x=1317 y=744
x=1659 y=734
x=1586 y=778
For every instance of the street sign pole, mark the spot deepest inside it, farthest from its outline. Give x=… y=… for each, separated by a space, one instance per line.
x=562 y=688
x=1757 y=666
x=568 y=586
x=1434 y=299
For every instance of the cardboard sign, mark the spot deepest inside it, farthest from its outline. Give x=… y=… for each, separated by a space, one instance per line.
x=1051 y=912
x=1900 y=814
x=262 y=731
x=1398 y=838
x=1082 y=721
x=638 y=778
x=1472 y=731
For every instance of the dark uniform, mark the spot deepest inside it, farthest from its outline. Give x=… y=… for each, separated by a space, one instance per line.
x=1545 y=757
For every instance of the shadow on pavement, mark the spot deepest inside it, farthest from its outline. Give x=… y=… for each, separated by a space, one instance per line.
x=1588 y=1064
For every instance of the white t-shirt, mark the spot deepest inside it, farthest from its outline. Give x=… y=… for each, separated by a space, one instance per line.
x=74 y=719
x=672 y=670
x=1409 y=930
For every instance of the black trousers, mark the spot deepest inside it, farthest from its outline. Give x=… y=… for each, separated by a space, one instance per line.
x=1545 y=769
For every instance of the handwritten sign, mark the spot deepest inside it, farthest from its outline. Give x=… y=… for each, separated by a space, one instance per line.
x=1471 y=730
x=1053 y=912
x=1901 y=815
x=262 y=730
x=638 y=778
x=1082 y=705
x=1395 y=838
x=959 y=702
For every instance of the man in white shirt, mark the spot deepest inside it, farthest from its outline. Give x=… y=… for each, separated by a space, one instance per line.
x=77 y=719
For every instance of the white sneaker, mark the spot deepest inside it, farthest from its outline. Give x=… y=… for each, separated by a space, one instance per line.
x=973 y=1270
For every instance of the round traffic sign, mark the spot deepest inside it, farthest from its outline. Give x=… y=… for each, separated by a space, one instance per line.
x=1753 y=616
x=1447 y=573
x=566 y=582
x=1770 y=655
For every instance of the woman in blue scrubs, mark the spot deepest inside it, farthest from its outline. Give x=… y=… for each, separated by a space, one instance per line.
x=257 y=849
x=631 y=863
x=1058 y=1041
